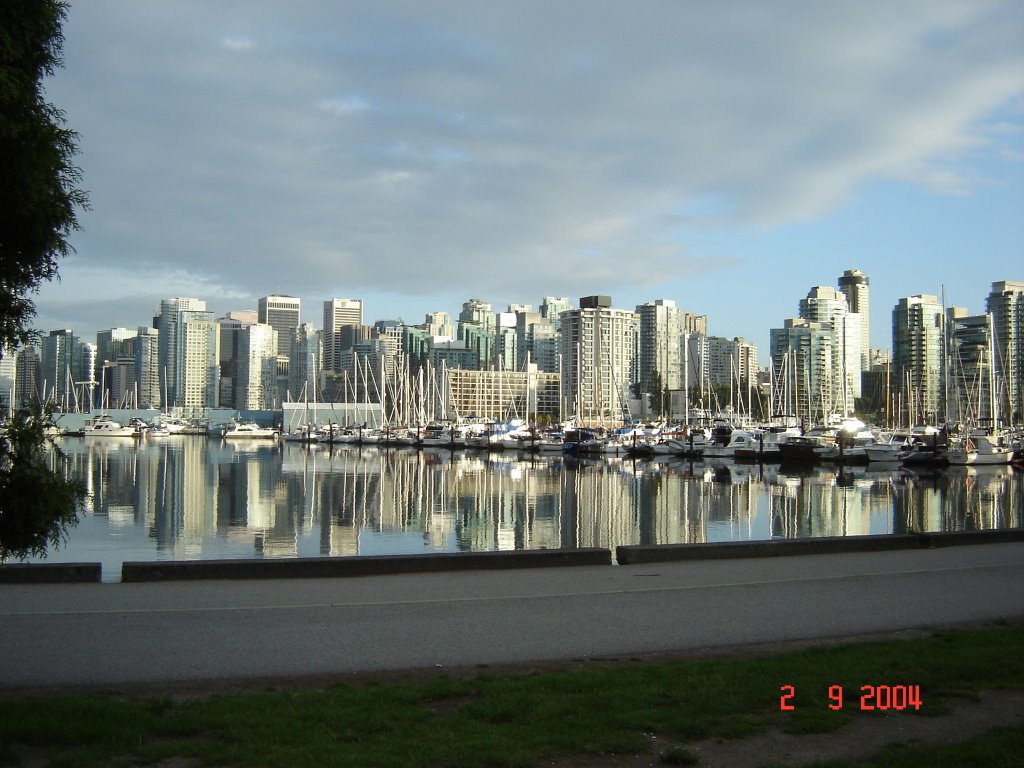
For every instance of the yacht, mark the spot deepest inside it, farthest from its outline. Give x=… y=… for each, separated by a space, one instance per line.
x=104 y=426
x=248 y=430
x=978 y=449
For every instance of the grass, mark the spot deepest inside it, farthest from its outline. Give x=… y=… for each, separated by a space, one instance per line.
x=517 y=720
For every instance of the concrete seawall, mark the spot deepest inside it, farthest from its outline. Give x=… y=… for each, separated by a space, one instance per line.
x=660 y=553
x=384 y=565
x=50 y=573
x=333 y=567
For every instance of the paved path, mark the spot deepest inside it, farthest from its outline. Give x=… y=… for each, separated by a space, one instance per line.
x=117 y=634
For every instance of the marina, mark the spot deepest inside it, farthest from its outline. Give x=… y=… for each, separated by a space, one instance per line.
x=182 y=497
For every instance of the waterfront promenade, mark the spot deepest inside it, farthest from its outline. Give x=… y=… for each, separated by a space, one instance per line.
x=168 y=632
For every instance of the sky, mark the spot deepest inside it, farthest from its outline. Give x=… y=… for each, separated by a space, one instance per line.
x=728 y=156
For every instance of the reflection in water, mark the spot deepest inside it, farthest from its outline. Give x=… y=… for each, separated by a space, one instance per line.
x=190 y=498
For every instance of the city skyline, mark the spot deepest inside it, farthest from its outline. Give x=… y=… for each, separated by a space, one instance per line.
x=728 y=159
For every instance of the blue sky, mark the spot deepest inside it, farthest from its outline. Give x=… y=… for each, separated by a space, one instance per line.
x=728 y=156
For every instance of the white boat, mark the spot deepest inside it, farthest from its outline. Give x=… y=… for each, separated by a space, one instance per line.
x=306 y=433
x=104 y=426
x=172 y=424
x=442 y=436
x=248 y=430
x=979 y=449
x=741 y=440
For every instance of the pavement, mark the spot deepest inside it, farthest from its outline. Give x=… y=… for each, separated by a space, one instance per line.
x=67 y=636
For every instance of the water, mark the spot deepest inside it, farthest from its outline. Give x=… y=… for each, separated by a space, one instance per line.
x=186 y=498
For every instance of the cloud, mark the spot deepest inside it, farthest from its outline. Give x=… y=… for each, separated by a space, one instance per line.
x=237 y=44
x=528 y=145
x=341 y=107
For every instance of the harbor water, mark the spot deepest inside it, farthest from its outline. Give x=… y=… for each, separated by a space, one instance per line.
x=188 y=497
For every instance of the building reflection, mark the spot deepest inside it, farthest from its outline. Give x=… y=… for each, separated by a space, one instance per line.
x=199 y=498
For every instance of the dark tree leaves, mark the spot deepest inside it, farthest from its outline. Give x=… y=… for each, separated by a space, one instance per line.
x=38 y=193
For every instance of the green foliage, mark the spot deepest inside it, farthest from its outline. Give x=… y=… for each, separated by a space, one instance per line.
x=38 y=193
x=38 y=504
x=656 y=389
x=39 y=200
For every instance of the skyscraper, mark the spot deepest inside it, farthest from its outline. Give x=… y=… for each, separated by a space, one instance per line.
x=147 y=367
x=282 y=313
x=57 y=367
x=1005 y=303
x=918 y=358
x=598 y=354
x=855 y=287
x=196 y=365
x=167 y=324
x=662 y=325
x=257 y=367
x=304 y=369
x=337 y=314
x=824 y=304
x=802 y=366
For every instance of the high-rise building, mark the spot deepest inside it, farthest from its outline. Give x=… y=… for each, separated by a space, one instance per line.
x=660 y=353
x=551 y=308
x=969 y=391
x=114 y=345
x=505 y=337
x=918 y=358
x=439 y=324
x=304 y=368
x=802 y=367
x=478 y=313
x=229 y=330
x=598 y=353
x=196 y=365
x=57 y=366
x=824 y=304
x=8 y=378
x=855 y=287
x=27 y=376
x=730 y=361
x=281 y=313
x=257 y=367
x=1005 y=303
x=337 y=314
x=167 y=323
x=147 y=368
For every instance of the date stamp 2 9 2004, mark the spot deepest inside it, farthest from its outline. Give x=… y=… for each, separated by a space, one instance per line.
x=872 y=697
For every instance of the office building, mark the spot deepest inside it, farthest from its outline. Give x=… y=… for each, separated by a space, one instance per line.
x=338 y=313
x=304 y=369
x=282 y=314
x=57 y=369
x=257 y=367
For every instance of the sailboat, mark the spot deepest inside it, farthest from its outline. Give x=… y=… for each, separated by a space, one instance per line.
x=984 y=446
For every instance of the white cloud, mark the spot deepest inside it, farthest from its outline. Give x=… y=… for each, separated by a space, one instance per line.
x=237 y=44
x=340 y=107
x=531 y=144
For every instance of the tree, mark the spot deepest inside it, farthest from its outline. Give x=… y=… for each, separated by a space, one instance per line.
x=39 y=203
x=38 y=504
x=656 y=389
x=38 y=193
